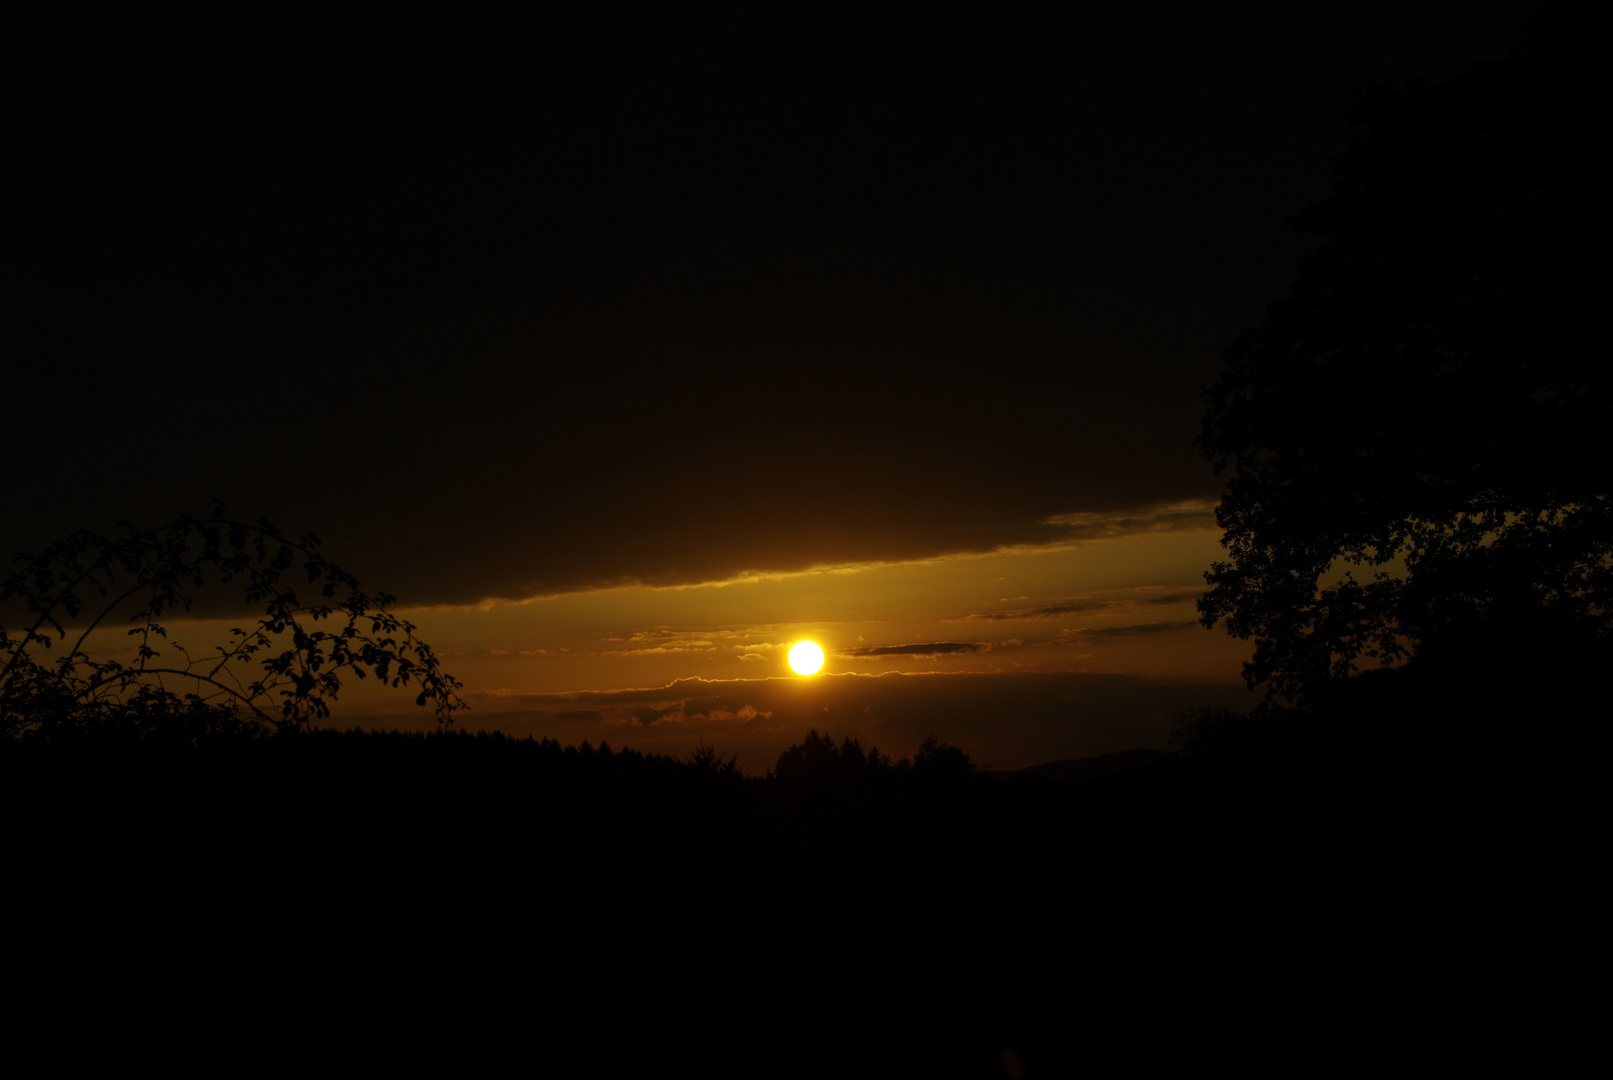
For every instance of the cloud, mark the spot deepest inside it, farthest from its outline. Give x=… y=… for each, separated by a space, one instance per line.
x=1086 y=605
x=684 y=702
x=934 y=648
x=758 y=651
x=664 y=641
x=662 y=633
x=1192 y=515
x=663 y=650
x=631 y=454
x=1135 y=630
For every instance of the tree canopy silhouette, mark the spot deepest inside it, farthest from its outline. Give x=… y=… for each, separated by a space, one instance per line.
x=282 y=672
x=1429 y=409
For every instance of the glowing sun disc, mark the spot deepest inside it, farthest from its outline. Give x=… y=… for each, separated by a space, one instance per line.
x=806 y=658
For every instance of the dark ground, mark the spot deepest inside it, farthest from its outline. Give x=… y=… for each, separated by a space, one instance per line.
x=931 y=920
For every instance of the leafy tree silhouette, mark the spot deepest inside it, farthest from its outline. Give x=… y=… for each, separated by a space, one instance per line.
x=78 y=584
x=941 y=759
x=1429 y=406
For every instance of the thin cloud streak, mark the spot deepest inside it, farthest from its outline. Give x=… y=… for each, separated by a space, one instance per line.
x=934 y=648
x=1192 y=515
x=1135 y=630
x=1083 y=607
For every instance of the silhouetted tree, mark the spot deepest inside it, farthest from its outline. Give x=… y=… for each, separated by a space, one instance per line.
x=814 y=760
x=705 y=758
x=1431 y=407
x=939 y=758
x=75 y=586
x=817 y=763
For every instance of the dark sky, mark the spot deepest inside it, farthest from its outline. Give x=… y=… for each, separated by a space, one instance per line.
x=502 y=304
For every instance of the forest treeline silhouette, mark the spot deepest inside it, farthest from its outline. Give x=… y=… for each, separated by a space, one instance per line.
x=825 y=817
x=874 y=884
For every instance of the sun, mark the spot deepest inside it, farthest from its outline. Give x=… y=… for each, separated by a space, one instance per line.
x=806 y=658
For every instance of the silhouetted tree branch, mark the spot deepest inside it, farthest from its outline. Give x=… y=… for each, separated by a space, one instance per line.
x=1428 y=409
x=299 y=663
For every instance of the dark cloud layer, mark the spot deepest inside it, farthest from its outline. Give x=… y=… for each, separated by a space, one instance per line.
x=510 y=304
x=1086 y=606
x=933 y=648
x=1009 y=720
x=1134 y=630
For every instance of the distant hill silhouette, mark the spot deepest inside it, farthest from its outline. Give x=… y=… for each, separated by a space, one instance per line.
x=1094 y=768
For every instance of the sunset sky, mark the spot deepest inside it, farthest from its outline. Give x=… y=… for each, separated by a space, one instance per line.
x=627 y=352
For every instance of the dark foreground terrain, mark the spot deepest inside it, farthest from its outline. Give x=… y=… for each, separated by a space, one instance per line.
x=915 y=918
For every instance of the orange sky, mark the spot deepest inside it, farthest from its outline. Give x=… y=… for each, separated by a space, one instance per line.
x=1035 y=652
x=1121 y=602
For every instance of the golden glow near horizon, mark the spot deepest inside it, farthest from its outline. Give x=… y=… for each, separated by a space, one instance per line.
x=661 y=669
x=806 y=658
x=1058 y=608
x=1114 y=605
